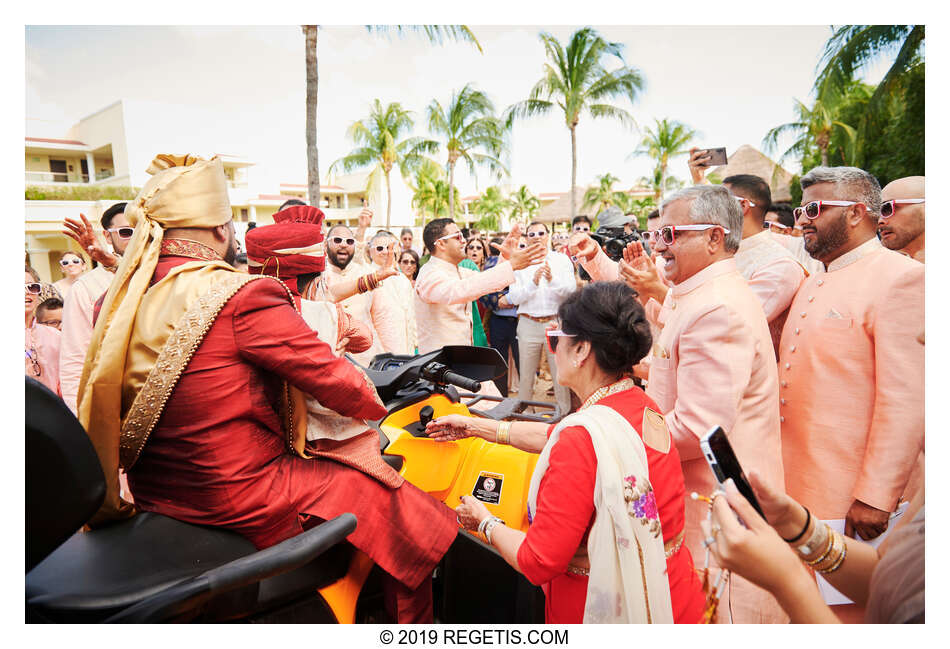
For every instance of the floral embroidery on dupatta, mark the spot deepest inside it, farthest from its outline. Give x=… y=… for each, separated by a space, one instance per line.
x=641 y=503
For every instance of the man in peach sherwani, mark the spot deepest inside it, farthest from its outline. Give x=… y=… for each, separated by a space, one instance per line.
x=372 y=308
x=444 y=292
x=851 y=374
x=713 y=363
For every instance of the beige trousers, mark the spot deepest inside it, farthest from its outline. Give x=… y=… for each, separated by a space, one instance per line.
x=530 y=344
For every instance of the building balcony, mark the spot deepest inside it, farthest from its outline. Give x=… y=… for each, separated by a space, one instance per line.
x=47 y=177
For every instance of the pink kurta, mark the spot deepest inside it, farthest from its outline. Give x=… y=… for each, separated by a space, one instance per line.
x=713 y=364
x=774 y=275
x=852 y=382
x=77 y=329
x=45 y=341
x=398 y=292
x=444 y=294
x=372 y=308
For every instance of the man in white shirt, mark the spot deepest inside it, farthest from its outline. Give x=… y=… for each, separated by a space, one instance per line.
x=78 y=304
x=538 y=291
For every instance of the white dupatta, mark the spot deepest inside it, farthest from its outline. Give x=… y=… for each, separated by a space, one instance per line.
x=628 y=582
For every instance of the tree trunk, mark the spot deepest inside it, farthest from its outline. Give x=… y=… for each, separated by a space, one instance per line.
x=573 y=168
x=313 y=163
x=662 y=181
x=824 y=155
x=452 y=190
x=389 y=201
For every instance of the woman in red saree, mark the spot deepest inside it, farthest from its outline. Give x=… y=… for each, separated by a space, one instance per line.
x=603 y=334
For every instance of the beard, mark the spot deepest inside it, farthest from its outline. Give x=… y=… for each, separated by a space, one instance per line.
x=340 y=259
x=834 y=236
x=231 y=255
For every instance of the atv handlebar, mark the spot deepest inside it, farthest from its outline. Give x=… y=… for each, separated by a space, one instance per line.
x=462 y=382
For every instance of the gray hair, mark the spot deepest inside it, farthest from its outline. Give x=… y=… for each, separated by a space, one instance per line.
x=712 y=204
x=856 y=185
x=382 y=234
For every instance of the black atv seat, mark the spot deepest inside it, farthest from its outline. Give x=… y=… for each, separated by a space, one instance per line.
x=97 y=573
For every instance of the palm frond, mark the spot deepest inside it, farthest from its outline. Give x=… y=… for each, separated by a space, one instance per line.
x=436 y=34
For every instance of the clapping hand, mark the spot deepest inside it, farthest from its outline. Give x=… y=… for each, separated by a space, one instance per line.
x=510 y=244
x=83 y=234
x=543 y=271
x=639 y=272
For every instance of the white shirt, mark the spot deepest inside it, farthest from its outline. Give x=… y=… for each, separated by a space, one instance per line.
x=542 y=300
x=77 y=329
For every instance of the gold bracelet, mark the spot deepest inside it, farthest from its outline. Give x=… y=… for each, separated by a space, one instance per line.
x=503 y=434
x=827 y=549
x=833 y=555
x=841 y=557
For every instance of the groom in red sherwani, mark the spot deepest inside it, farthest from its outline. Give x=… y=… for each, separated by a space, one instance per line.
x=217 y=453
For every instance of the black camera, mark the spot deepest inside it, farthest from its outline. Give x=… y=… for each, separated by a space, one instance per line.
x=614 y=240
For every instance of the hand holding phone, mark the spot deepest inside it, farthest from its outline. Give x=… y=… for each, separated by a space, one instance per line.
x=716 y=157
x=724 y=464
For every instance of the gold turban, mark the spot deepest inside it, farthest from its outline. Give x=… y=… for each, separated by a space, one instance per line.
x=183 y=192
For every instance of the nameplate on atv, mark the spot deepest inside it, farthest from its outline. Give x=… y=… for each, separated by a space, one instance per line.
x=488 y=487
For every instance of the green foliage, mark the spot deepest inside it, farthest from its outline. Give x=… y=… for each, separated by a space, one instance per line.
x=524 y=205
x=81 y=193
x=490 y=207
x=431 y=194
x=435 y=34
x=470 y=130
x=668 y=140
x=893 y=144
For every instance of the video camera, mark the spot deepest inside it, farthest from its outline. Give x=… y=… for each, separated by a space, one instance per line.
x=613 y=240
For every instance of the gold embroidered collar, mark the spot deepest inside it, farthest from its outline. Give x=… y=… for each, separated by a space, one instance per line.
x=188 y=248
x=607 y=390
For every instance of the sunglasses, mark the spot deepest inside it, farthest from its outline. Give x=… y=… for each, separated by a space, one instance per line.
x=455 y=235
x=339 y=240
x=813 y=210
x=124 y=233
x=552 y=336
x=34 y=287
x=381 y=248
x=536 y=234
x=522 y=245
x=581 y=228
x=474 y=246
x=888 y=208
x=745 y=200
x=667 y=234
x=407 y=262
x=67 y=262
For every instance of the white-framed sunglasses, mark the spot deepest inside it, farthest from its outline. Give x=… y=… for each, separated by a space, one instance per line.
x=745 y=200
x=813 y=210
x=455 y=235
x=889 y=207
x=667 y=234
x=552 y=336
x=123 y=232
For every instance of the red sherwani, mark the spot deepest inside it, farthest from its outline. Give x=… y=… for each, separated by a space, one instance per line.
x=219 y=457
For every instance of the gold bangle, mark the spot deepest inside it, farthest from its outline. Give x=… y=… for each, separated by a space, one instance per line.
x=841 y=557
x=833 y=555
x=830 y=542
x=503 y=434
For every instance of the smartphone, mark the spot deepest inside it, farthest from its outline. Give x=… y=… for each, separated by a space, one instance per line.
x=724 y=464
x=717 y=157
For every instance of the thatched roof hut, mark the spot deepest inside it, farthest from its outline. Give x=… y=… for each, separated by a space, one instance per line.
x=749 y=160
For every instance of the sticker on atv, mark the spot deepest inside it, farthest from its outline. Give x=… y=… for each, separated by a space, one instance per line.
x=488 y=487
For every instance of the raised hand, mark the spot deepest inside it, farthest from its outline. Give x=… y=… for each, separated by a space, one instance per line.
x=698 y=158
x=510 y=244
x=83 y=234
x=524 y=257
x=639 y=273
x=582 y=246
x=365 y=220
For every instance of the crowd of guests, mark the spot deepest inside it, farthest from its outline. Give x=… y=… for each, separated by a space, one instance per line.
x=803 y=340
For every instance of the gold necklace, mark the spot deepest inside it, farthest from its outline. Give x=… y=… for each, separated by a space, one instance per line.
x=607 y=390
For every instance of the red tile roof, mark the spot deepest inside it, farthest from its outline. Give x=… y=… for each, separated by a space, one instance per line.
x=52 y=141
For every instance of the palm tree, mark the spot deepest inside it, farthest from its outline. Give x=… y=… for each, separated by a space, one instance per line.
x=490 y=207
x=576 y=80
x=524 y=204
x=471 y=132
x=378 y=143
x=814 y=127
x=659 y=183
x=855 y=47
x=602 y=195
x=431 y=192
x=667 y=141
x=434 y=33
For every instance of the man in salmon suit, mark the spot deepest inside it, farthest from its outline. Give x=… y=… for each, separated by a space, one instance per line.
x=185 y=382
